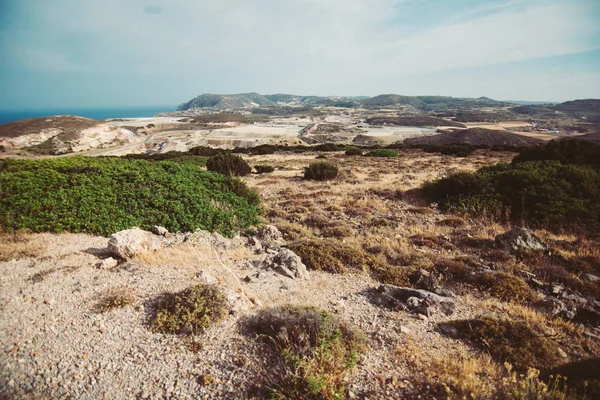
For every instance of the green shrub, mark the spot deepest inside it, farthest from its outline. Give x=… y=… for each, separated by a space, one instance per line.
x=572 y=151
x=382 y=153
x=228 y=164
x=264 y=169
x=321 y=171
x=189 y=311
x=354 y=151
x=509 y=340
x=105 y=195
x=316 y=352
x=545 y=194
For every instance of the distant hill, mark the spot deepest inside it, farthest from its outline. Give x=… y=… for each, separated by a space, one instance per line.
x=477 y=137
x=69 y=126
x=61 y=134
x=255 y=100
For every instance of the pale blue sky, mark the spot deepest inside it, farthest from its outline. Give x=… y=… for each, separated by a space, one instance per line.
x=94 y=53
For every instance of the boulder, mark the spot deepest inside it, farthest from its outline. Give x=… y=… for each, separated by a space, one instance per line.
x=269 y=233
x=287 y=260
x=287 y=263
x=404 y=295
x=554 y=307
x=108 y=263
x=518 y=239
x=132 y=242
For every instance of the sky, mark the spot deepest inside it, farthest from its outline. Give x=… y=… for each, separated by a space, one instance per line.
x=135 y=53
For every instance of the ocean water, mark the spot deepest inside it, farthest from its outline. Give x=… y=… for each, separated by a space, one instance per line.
x=7 y=116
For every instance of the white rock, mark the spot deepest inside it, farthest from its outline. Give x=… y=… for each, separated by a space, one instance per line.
x=132 y=242
x=108 y=263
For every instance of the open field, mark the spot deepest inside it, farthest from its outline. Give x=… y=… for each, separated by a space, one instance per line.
x=51 y=287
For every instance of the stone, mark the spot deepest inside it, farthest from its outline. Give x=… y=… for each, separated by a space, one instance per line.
x=219 y=241
x=291 y=261
x=518 y=239
x=159 y=230
x=132 y=242
x=413 y=302
x=551 y=306
x=206 y=277
x=269 y=233
x=255 y=245
x=108 y=263
x=431 y=300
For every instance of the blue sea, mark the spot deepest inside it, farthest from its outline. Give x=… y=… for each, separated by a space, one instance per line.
x=7 y=116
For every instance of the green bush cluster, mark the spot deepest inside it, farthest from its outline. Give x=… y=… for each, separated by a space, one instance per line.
x=105 y=195
x=354 y=151
x=545 y=194
x=382 y=153
x=316 y=352
x=457 y=149
x=228 y=164
x=321 y=171
x=572 y=151
x=189 y=311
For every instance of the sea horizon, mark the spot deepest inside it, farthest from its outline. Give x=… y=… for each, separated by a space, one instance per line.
x=97 y=113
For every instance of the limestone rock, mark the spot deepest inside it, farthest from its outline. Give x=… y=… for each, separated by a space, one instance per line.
x=131 y=242
x=291 y=261
x=108 y=263
x=269 y=233
x=286 y=263
x=432 y=301
x=518 y=239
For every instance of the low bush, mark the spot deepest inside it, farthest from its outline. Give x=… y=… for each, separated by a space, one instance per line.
x=189 y=311
x=516 y=342
x=382 y=153
x=545 y=194
x=332 y=256
x=506 y=287
x=316 y=352
x=264 y=169
x=354 y=151
x=228 y=164
x=321 y=171
x=105 y=195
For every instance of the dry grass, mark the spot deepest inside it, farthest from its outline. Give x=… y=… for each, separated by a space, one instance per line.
x=14 y=246
x=116 y=297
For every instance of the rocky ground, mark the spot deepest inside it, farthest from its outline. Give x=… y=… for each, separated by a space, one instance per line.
x=57 y=342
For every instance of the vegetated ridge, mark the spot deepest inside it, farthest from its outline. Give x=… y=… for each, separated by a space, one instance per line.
x=477 y=137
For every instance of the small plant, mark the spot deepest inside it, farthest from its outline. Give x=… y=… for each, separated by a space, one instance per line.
x=189 y=311
x=506 y=287
x=382 y=153
x=321 y=171
x=228 y=164
x=316 y=351
x=264 y=169
x=332 y=256
x=354 y=151
x=513 y=341
x=117 y=297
